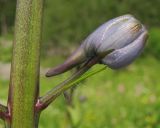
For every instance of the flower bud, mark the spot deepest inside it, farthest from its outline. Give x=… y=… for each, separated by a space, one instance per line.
x=114 y=34
x=124 y=35
x=124 y=56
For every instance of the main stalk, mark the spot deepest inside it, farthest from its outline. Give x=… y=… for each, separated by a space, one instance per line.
x=24 y=80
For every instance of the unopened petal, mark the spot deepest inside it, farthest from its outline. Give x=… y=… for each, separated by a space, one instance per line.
x=124 y=56
x=123 y=35
x=98 y=38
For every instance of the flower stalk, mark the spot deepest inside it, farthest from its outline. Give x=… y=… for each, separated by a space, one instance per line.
x=51 y=95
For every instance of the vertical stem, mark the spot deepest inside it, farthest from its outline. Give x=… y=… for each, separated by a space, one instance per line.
x=24 y=81
x=7 y=124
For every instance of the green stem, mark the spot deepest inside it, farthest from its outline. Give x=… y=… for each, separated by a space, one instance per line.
x=45 y=100
x=7 y=123
x=24 y=81
x=37 y=116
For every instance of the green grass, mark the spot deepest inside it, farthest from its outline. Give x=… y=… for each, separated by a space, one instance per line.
x=127 y=98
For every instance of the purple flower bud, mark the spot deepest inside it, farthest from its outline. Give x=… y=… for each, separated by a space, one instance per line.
x=114 y=34
x=124 y=56
x=124 y=35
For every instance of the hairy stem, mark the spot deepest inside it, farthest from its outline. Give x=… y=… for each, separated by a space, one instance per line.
x=24 y=81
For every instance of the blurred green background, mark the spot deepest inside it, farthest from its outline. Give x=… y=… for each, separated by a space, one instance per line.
x=127 y=98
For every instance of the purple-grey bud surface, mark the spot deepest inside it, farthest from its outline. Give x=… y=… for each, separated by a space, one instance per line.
x=125 y=36
x=114 y=34
x=124 y=56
